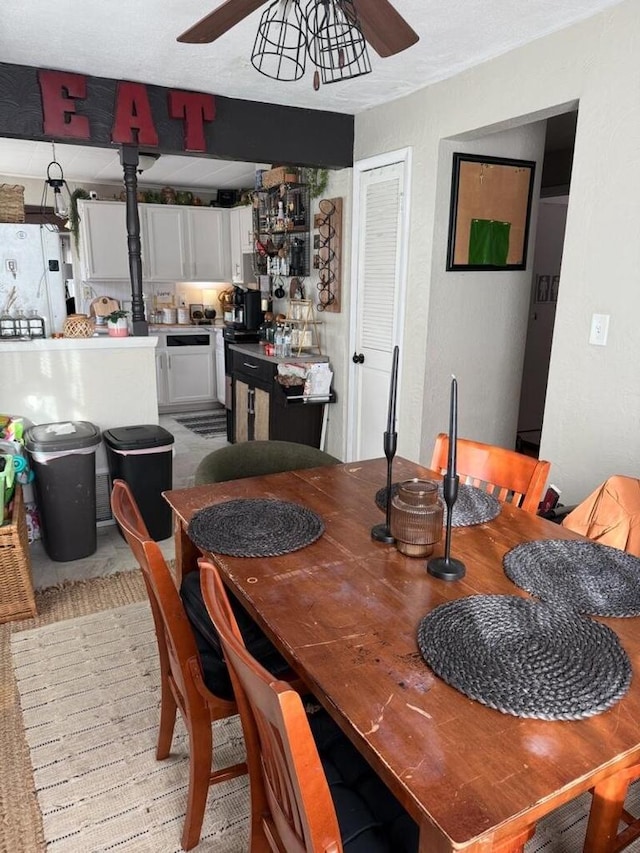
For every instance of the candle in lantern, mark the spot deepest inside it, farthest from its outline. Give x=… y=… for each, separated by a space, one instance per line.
x=393 y=390
x=453 y=428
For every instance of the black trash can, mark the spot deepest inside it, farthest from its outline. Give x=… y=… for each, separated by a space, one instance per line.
x=63 y=460
x=142 y=456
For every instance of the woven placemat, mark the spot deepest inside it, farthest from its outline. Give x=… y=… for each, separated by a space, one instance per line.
x=592 y=578
x=473 y=506
x=526 y=658
x=255 y=527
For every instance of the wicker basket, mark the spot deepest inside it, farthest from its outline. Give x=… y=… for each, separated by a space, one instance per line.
x=279 y=175
x=78 y=326
x=11 y=203
x=17 y=600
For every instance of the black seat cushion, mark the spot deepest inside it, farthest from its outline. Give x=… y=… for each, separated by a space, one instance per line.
x=370 y=818
x=216 y=676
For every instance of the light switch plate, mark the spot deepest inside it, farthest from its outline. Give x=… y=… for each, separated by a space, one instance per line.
x=599 y=330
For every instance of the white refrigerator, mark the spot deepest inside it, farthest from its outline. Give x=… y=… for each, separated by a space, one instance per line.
x=31 y=273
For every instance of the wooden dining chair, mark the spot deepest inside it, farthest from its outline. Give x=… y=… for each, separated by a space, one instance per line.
x=510 y=476
x=311 y=791
x=181 y=675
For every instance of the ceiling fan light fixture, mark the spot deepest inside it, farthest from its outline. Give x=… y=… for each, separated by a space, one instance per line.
x=335 y=41
x=280 y=47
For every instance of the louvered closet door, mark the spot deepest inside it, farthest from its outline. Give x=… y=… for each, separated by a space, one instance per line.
x=378 y=302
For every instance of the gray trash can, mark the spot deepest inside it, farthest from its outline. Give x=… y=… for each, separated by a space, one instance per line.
x=142 y=456
x=63 y=460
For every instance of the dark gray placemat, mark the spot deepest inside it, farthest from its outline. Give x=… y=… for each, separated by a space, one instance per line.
x=255 y=527
x=473 y=506
x=526 y=658
x=593 y=578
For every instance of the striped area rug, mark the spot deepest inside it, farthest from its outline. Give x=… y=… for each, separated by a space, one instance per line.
x=89 y=690
x=206 y=424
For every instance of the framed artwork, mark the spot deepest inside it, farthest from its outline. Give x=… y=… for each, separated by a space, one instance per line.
x=490 y=213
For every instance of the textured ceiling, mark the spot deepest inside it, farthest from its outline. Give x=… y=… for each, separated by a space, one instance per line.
x=137 y=41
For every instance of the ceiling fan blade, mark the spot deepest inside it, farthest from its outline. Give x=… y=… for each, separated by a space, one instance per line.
x=216 y=23
x=384 y=28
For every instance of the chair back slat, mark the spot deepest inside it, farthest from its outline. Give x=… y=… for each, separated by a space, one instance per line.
x=291 y=806
x=510 y=476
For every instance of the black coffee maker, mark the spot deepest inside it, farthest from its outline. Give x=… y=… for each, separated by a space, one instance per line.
x=246 y=309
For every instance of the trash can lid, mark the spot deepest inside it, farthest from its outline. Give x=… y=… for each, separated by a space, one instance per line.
x=60 y=436
x=137 y=437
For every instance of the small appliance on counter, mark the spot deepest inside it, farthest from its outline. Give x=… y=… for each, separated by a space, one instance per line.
x=245 y=313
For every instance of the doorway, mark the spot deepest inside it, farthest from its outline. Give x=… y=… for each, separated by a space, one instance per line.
x=379 y=263
x=546 y=278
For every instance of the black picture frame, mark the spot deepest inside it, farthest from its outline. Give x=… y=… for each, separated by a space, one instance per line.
x=490 y=213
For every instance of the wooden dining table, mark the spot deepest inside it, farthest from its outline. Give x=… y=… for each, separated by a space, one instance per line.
x=345 y=611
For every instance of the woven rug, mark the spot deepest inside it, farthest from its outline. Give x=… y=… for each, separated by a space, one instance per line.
x=21 y=831
x=206 y=424
x=89 y=690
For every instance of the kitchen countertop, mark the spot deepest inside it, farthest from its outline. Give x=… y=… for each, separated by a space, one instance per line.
x=257 y=351
x=104 y=342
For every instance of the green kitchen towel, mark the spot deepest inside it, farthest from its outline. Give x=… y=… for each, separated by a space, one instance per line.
x=489 y=242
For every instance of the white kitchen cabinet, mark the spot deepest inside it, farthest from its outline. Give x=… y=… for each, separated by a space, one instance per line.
x=165 y=242
x=190 y=376
x=103 y=240
x=186 y=374
x=208 y=230
x=185 y=243
x=240 y=239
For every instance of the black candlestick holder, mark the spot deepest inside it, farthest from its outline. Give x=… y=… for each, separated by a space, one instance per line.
x=446 y=568
x=382 y=532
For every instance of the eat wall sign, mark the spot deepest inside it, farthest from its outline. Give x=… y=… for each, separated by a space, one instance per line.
x=65 y=106
x=133 y=120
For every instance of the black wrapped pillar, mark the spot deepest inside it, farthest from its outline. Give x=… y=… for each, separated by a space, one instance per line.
x=129 y=160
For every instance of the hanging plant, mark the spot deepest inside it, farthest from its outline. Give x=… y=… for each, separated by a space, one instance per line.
x=74 y=218
x=316 y=180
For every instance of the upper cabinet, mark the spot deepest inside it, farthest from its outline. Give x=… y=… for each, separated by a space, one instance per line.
x=103 y=240
x=185 y=243
x=165 y=244
x=208 y=230
x=240 y=239
x=179 y=243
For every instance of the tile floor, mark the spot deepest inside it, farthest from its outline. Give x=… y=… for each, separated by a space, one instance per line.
x=113 y=554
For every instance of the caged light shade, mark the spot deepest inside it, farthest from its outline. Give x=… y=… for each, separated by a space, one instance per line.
x=327 y=32
x=280 y=47
x=335 y=42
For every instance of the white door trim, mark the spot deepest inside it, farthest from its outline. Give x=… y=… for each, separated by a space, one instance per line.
x=389 y=158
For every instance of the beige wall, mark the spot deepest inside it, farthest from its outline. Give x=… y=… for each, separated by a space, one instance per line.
x=593 y=402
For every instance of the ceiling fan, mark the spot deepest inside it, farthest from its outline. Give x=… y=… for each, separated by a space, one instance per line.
x=382 y=26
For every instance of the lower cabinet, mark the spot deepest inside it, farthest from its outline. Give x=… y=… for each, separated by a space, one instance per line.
x=262 y=411
x=251 y=413
x=185 y=377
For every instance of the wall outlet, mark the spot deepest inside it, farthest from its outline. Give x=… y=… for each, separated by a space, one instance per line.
x=599 y=330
